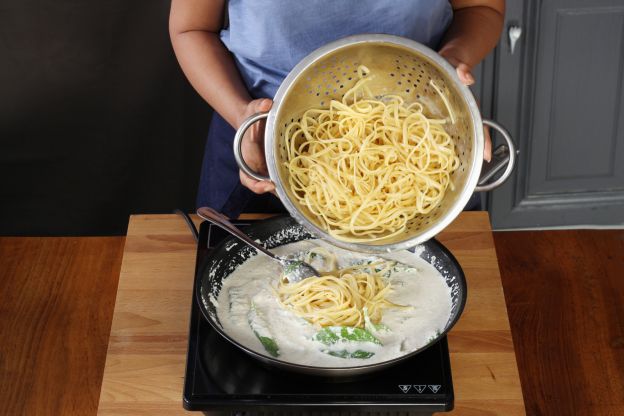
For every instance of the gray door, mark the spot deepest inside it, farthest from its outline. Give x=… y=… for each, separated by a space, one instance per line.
x=561 y=94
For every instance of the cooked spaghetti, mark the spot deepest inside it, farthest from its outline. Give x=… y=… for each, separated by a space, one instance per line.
x=366 y=166
x=347 y=297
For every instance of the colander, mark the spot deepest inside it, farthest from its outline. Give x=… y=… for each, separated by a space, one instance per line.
x=401 y=67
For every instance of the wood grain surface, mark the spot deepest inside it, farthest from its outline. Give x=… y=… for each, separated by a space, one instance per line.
x=56 y=303
x=147 y=348
x=564 y=290
x=565 y=296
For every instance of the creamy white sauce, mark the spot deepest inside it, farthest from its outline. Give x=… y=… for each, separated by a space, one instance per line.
x=416 y=283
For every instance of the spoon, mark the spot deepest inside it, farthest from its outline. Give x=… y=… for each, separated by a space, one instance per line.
x=293 y=270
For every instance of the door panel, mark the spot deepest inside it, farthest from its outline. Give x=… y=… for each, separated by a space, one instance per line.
x=577 y=102
x=562 y=98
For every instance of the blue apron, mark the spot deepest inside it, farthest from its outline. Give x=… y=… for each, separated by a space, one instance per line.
x=219 y=184
x=268 y=38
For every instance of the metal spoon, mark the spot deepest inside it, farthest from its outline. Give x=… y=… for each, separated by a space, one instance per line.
x=294 y=270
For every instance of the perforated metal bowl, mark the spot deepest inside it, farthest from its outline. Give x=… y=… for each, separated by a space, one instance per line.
x=401 y=67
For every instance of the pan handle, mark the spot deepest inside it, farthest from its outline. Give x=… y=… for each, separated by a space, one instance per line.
x=238 y=141
x=222 y=221
x=510 y=158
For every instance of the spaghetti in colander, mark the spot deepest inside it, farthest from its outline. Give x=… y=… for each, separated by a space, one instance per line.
x=367 y=165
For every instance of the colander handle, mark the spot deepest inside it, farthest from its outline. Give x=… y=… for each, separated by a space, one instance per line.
x=510 y=164
x=238 y=141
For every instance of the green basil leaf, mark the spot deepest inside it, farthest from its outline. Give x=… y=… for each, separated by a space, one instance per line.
x=333 y=334
x=360 y=354
x=259 y=326
x=269 y=345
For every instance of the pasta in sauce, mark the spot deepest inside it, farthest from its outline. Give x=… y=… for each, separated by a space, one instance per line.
x=253 y=312
x=344 y=297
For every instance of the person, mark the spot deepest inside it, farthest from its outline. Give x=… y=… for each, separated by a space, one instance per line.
x=236 y=54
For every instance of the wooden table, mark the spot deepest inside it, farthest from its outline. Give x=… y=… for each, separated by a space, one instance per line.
x=144 y=370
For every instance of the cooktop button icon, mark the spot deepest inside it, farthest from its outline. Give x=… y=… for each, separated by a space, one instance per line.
x=405 y=387
x=434 y=387
x=420 y=387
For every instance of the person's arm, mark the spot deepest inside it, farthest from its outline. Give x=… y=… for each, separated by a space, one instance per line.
x=473 y=33
x=194 y=27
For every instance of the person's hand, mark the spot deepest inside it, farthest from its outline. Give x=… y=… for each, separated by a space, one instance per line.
x=465 y=76
x=253 y=147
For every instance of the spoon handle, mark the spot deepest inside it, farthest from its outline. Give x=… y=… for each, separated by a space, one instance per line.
x=222 y=221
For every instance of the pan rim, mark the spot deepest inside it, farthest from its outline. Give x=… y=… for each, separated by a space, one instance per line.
x=308 y=368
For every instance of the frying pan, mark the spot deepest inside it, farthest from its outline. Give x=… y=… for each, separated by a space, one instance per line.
x=277 y=231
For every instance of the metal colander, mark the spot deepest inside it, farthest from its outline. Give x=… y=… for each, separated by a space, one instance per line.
x=400 y=67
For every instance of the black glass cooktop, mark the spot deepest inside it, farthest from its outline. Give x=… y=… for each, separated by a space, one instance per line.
x=221 y=379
